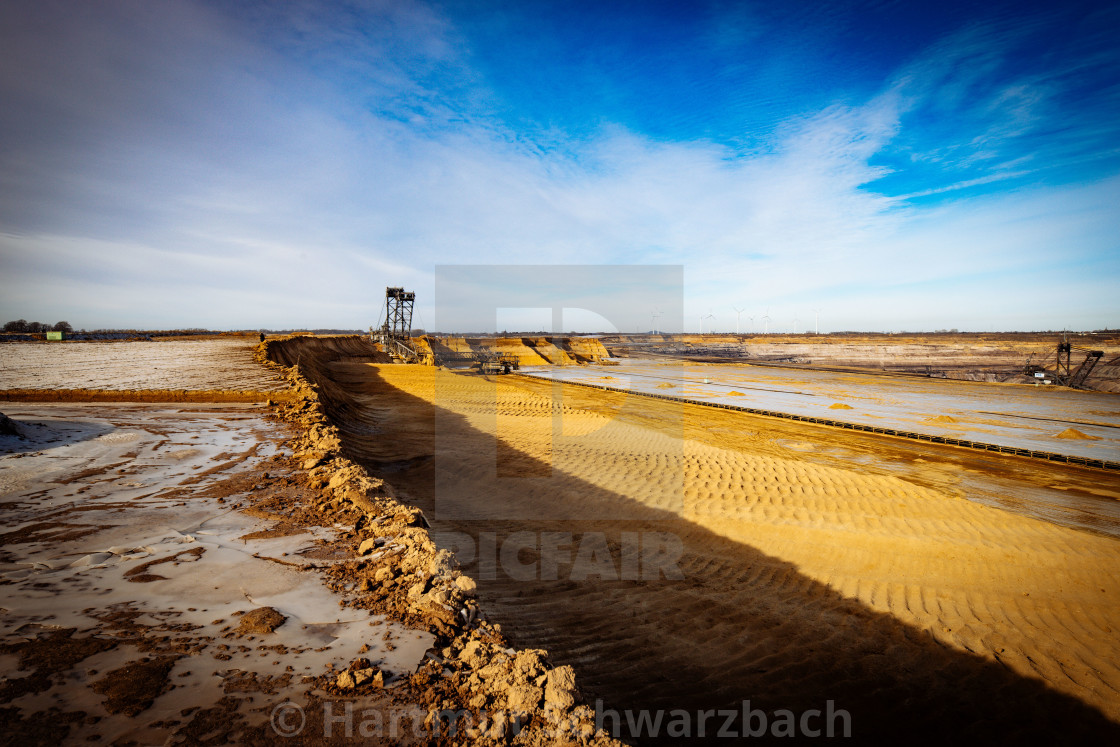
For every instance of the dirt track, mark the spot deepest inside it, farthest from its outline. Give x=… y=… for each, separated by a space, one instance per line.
x=807 y=577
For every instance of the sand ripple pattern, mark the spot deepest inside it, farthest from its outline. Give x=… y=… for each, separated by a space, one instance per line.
x=802 y=581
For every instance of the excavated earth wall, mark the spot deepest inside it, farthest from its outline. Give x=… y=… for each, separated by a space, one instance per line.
x=530 y=351
x=400 y=572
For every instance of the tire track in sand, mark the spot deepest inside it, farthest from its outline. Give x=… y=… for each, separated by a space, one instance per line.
x=802 y=582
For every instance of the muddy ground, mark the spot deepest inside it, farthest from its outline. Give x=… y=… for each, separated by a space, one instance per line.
x=192 y=572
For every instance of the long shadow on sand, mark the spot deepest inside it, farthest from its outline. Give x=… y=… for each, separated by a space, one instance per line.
x=742 y=625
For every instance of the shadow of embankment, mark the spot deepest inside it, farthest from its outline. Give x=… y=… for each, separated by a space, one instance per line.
x=741 y=625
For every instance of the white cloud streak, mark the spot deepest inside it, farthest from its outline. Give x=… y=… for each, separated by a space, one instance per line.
x=196 y=176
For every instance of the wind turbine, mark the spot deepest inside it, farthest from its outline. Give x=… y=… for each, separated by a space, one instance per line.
x=816 y=321
x=709 y=316
x=653 y=317
x=766 y=322
x=752 y=323
x=738 y=311
x=795 y=321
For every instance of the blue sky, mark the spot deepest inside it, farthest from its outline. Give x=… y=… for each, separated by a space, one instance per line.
x=895 y=165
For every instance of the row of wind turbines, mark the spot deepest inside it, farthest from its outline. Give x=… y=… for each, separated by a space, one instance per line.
x=766 y=319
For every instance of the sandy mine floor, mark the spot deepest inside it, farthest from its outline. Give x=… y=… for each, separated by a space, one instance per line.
x=130 y=579
x=1058 y=420
x=815 y=564
x=191 y=365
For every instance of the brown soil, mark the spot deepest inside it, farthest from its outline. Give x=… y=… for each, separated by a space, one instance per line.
x=260 y=621
x=839 y=406
x=44 y=657
x=133 y=687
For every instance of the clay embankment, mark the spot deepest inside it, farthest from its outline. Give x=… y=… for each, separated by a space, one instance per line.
x=915 y=609
x=401 y=573
x=529 y=351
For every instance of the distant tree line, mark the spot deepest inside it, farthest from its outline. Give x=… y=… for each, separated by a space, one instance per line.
x=22 y=325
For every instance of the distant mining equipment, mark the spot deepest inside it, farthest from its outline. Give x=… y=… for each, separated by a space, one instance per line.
x=492 y=362
x=1060 y=372
x=483 y=361
x=395 y=335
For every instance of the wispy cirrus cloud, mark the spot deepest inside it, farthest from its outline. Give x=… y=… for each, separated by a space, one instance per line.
x=276 y=166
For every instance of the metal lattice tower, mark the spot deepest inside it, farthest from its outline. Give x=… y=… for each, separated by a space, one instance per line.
x=396 y=332
x=1064 y=351
x=398 y=314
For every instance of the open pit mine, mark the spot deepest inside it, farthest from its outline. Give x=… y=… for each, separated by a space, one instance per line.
x=557 y=540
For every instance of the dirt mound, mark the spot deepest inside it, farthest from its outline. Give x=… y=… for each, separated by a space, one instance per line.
x=288 y=351
x=666 y=386
x=585 y=349
x=736 y=394
x=550 y=351
x=839 y=406
x=941 y=419
x=526 y=352
x=1073 y=433
x=260 y=621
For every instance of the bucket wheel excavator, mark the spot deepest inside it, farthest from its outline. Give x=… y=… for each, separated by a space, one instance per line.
x=1060 y=369
x=395 y=333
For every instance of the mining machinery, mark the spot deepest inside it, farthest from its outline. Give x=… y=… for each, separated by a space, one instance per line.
x=395 y=334
x=484 y=361
x=1063 y=372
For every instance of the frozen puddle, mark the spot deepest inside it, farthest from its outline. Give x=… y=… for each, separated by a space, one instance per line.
x=116 y=524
